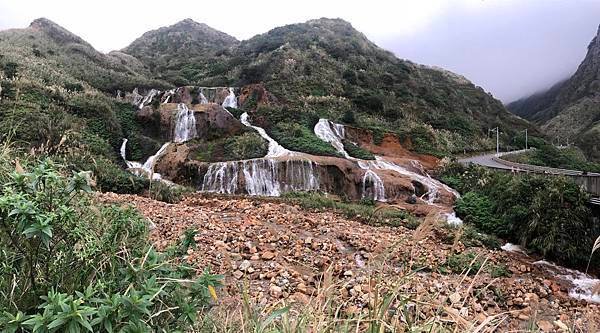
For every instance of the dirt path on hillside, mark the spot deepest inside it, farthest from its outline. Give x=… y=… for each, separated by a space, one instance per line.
x=284 y=252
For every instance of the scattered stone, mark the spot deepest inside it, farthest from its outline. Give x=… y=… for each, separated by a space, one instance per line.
x=275 y=291
x=268 y=255
x=455 y=298
x=287 y=253
x=245 y=265
x=545 y=326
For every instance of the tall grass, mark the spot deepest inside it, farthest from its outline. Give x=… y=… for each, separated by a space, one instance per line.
x=365 y=211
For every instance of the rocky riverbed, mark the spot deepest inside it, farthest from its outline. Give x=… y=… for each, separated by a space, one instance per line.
x=280 y=253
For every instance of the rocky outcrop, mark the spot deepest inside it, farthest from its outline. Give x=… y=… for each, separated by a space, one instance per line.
x=254 y=95
x=272 y=177
x=395 y=174
x=211 y=120
x=389 y=145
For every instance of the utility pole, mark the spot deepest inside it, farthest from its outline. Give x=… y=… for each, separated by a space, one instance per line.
x=526 y=139
x=497 y=138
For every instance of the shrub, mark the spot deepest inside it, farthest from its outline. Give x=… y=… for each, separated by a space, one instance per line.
x=469 y=262
x=10 y=69
x=349 y=117
x=357 y=152
x=237 y=113
x=297 y=137
x=245 y=146
x=479 y=210
x=77 y=87
x=365 y=210
x=549 y=215
x=70 y=265
x=167 y=192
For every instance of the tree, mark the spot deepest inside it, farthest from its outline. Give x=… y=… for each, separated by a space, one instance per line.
x=10 y=69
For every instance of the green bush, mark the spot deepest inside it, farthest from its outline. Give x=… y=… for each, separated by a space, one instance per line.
x=10 y=69
x=550 y=156
x=167 y=192
x=74 y=86
x=357 y=152
x=349 y=117
x=296 y=137
x=365 y=210
x=469 y=262
x=549 y=215
x=479 y=210
x=245 y=146
x=69 y=264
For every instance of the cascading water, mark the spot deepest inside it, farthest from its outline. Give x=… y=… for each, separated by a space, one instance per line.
x=130 y=164
x=148 y=98
x=268 y=176
x=583 y=285
x=372 y=185
x=335 y=133
x=185 y=124
x=137 y=98
x=202 y=98
x=168 y=95
x=275 y=149
x=261 y=176
x=432 y=184
x=230 y=101
x=221 y=177
x=323 y=130
x=147 y=168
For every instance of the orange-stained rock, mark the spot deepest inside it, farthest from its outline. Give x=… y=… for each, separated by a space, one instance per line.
x=390 y=146
x=257 y=93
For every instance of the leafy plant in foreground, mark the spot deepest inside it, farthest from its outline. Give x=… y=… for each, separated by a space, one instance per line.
x=69 y=264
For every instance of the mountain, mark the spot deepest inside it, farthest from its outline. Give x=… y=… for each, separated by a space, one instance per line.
x=326 y=68
x=61 y=96
x=50 y=54
x=537 y=107
x=570 y=109
x=56 y=97
x=169 y=51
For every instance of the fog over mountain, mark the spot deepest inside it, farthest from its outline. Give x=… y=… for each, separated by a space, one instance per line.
x=511 y=48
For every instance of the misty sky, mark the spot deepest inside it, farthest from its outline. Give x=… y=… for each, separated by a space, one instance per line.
x=512 y=48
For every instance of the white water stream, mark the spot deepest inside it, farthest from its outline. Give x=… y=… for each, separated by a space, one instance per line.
x=185 y=124
x=582 y=284
x=202 y=98
x=275 y=149
x=334 y=134
x=268 y=176
x=147 y=168
x=230 y=101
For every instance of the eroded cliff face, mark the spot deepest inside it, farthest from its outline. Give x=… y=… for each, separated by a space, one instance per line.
x=393 y=176
x=211 y=118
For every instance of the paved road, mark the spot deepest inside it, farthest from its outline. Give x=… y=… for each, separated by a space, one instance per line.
x=590 y=181
x=497 y=162
x=485 y=160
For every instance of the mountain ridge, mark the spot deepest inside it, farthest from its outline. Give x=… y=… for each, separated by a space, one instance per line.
x=570 y=110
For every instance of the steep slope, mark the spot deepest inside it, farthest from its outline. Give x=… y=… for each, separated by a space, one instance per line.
x=537 y=106
x=571 y=109
x=326 y=69
x=50 y=54
x=169 y=51
x=56 y=98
